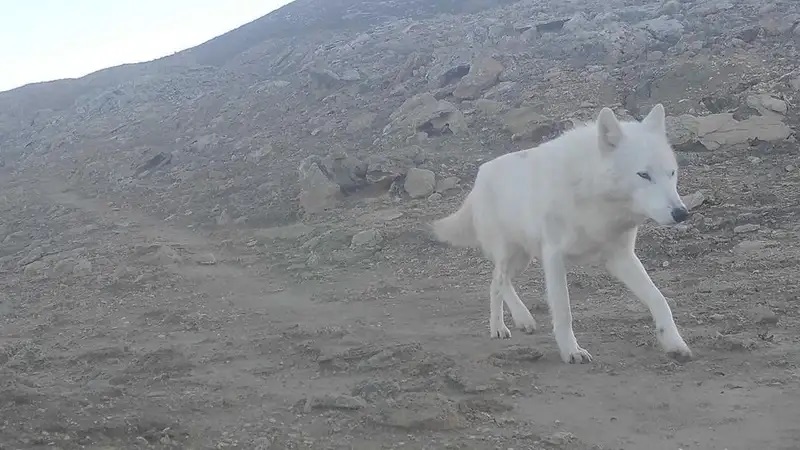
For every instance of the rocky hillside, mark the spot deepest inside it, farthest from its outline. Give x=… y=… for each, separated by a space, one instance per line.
x=378 y=87
x=221 y=249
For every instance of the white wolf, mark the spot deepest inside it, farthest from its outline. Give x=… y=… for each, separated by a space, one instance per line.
x=576 y=199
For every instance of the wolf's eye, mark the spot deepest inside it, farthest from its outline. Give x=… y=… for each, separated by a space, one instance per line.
x=644 y=175
x=672 y=174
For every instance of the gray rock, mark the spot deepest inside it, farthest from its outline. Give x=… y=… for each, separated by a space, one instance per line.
x=159 y=254
x=206 y=259
x=223 y=218
x=324 y=79
x=749 y=34
x=350 y=75
x=579 y=23
x=262 y=443
x=763 y=315
x=313 y=260
x=779 y=25
x=64 y=267
x=35 y=254
x=687 y=132
x=380 y=167
x=348 y=172
x=435 y=197
x=366 y=238
x=501 y=89
x=753 y=248
x=483 y=74
x=693 y=200
x=733 y=343
x=162 y=159
x=413 y=62
x=317 y=191
x=419 y=182
x=664 y=29
x=331 y=401
x=424 y=113
x=34 y=269
x=746 y=228
x=670 y=8
x=766 y=104
x=528 y=124
x=421 y=411
x=489 y=108
x=16 y=237
x=794 y=83
x=361 y=122
x=617 y=44
x=446 y=184
x=561 y=439
x=443 y=76
x=257 y=155
x=82 y=267
x=285 y=232
x=515 y=355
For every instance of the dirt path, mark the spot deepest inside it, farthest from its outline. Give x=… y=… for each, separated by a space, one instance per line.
x=193 y=354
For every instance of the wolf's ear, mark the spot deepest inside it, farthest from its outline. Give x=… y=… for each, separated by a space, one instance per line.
x=656 y=120
x=609 y=131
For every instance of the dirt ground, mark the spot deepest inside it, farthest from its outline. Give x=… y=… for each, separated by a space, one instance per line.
x=162 y=287
x=124 y=331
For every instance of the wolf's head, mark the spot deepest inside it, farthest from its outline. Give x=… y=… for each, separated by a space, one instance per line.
x=643 y=164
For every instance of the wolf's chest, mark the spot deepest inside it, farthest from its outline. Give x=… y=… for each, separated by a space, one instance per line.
x=591 y=239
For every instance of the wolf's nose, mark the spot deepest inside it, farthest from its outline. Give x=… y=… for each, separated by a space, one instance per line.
x=680 y=214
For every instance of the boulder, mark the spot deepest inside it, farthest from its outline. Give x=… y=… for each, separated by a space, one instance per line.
x=766 y=104
x=528 y=124
x=317 y=191
x=424 y=113
x=420 y=182
x=483 y=74
x=691 y=133
x=367 y=238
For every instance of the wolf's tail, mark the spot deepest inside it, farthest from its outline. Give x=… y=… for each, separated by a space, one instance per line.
x=457 y=229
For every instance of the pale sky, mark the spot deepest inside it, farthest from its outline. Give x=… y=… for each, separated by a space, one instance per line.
x=44 y=40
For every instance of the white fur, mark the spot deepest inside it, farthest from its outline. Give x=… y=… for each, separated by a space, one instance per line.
x=576 y=199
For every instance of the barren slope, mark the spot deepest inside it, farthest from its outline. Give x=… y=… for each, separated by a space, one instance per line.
x=223 y=248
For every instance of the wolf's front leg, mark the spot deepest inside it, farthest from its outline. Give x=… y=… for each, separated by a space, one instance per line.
x=555 y=274
x=627 y=268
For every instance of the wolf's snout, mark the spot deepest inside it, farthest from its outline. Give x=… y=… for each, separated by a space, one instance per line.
x=680 y=214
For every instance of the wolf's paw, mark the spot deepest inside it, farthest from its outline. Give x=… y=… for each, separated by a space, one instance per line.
x=527 y=325
x=576 y=355
x=675 y=347
x=681 y=355
x=499 y=331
